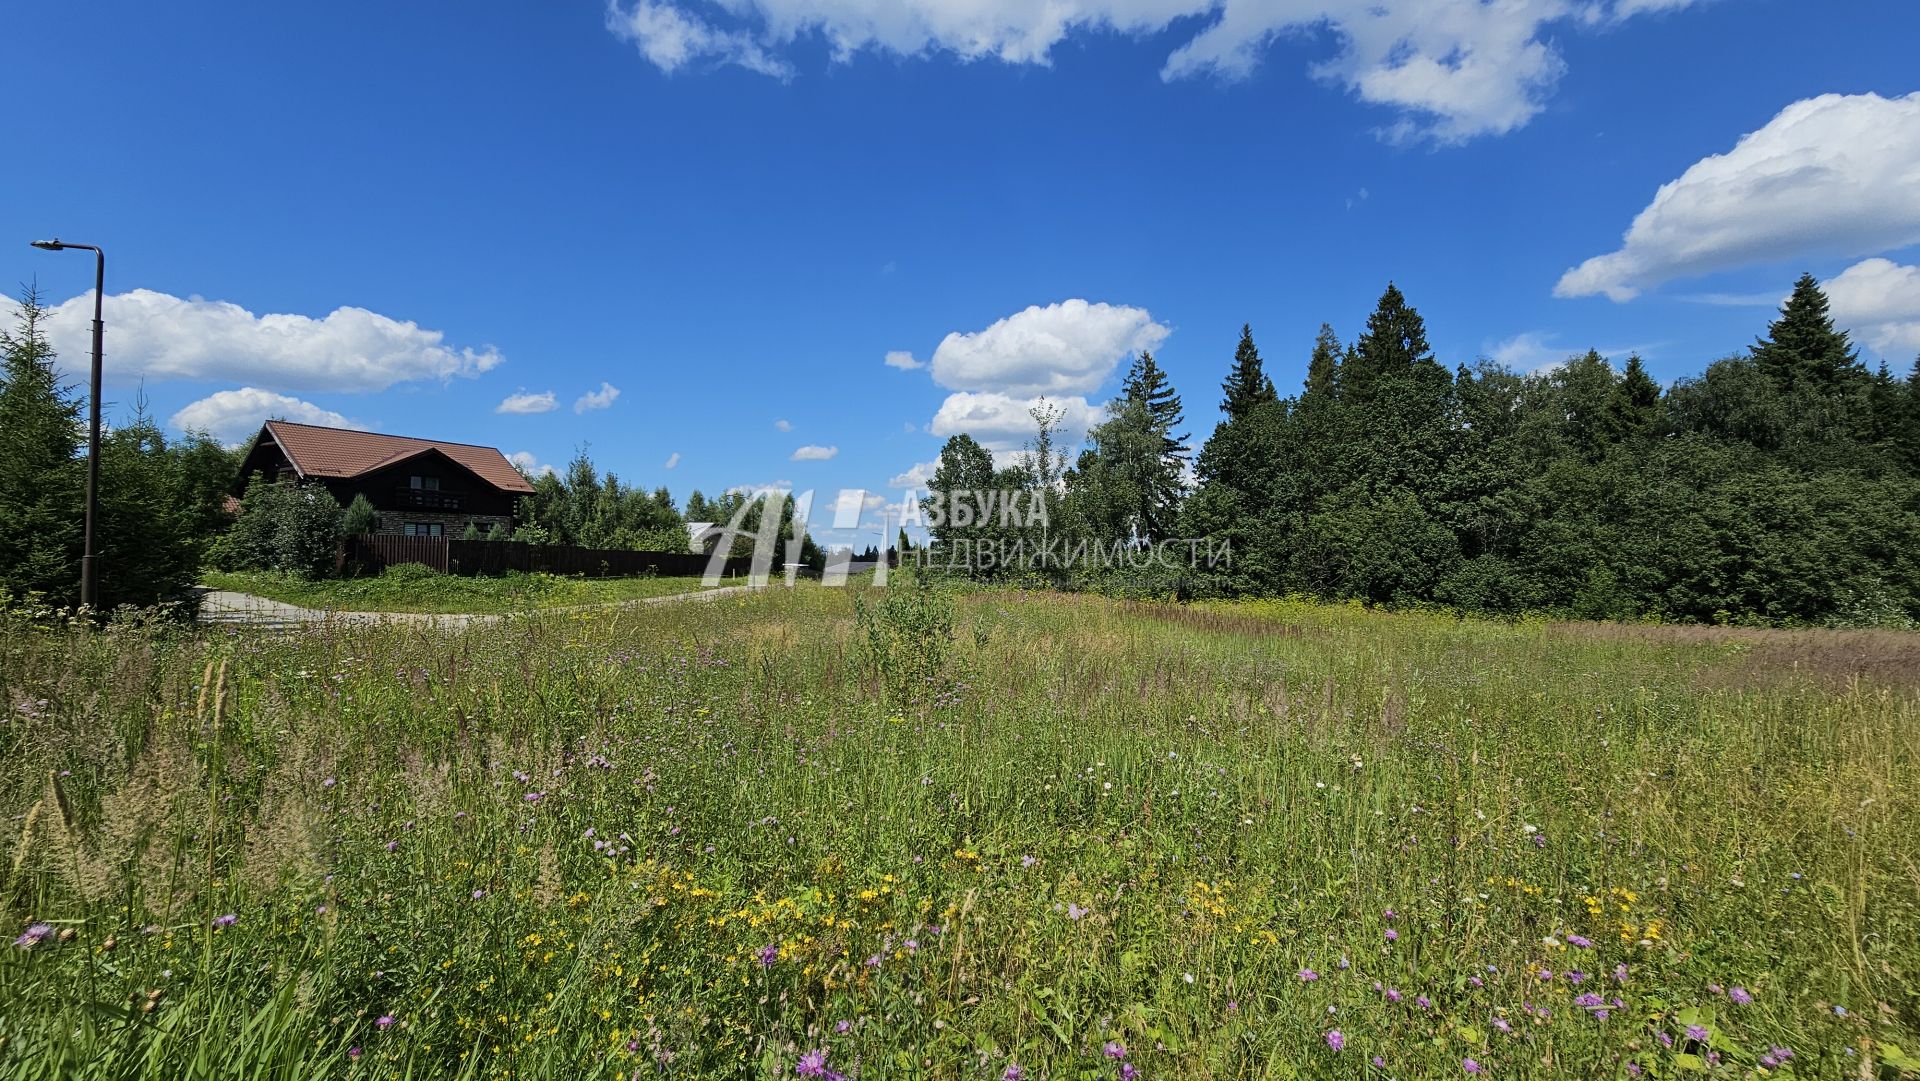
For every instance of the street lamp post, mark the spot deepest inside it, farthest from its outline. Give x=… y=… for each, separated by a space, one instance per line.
x=89 y=582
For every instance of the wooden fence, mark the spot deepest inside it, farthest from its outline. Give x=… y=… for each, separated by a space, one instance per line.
x=373 y=552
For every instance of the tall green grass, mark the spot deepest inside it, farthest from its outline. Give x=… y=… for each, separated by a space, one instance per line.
x=722 y=840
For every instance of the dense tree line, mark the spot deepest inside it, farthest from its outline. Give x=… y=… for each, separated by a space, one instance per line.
x=160 y=500
x=1780 y=486
x=584 y=507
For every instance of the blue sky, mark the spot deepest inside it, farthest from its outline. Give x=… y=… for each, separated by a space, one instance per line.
x=733 y=211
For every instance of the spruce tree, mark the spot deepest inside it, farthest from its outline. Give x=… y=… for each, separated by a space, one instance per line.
x=41 y=480
x=1147 y=383
x=1395 y=343
x=1803 y=348
x=361 y=517
x=1634 y=403
x=1164 y=481
x=1323 y=367
x=1247 y=385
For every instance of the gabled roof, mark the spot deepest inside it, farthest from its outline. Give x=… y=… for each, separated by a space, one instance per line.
x=338 y=453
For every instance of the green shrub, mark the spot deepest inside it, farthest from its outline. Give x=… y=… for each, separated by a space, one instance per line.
x=292 y=528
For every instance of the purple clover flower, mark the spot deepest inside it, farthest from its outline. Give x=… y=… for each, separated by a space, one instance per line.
x=1114 y=1049
x=1336 y=1041
x=1739 y=996
x=33 y=936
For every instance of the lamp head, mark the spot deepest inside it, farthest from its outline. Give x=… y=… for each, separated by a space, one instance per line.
x=50 y=245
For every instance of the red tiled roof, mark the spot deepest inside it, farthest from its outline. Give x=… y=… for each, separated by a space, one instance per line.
x=336 y=452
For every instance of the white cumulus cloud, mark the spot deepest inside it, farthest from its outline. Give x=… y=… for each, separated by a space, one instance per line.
x=903 y=360
x=815 y=454
x=673 y=461
x=1450 y=69
x=783 y=426
x=599 y=399
x=918 y=475
x=1003 y=423
x=525 y=461
x=521 y=403
x=1879 y=301
x=1835 y=176
x=156 y=336
x=1062 y=349
x=232 y=415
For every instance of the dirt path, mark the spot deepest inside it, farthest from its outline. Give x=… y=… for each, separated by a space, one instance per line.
x=223 y=607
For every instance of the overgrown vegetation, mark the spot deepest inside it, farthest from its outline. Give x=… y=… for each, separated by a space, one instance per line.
x=1259 y=839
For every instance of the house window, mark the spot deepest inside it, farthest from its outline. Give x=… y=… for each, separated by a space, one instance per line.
x=424 y=529
x=425 y=484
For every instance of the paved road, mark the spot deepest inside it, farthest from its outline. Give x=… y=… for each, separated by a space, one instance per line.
x=219 y=606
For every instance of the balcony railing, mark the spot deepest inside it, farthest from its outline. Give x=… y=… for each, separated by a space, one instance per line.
x=426 y=499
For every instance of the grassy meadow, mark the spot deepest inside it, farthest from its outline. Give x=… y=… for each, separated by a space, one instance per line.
x=986 y=835
x=414 y=588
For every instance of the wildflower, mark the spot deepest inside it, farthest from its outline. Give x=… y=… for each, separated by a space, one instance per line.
x=1013 y=1072
x=1423 y=1002
x=1476 y=982
x=1308 y=975
x=1392 y=935
x=1075 y=912
x=1620 y=974
x=1379 y=1063
x=1127 y=1072
x=1472 y=1066
x=1115 y=1049
x=477 y=894
x=1390 y=915
x=769 y=953
x=1589 y=1001
x=1343 y=963
x=1025 y=861
x=1336 y=1041
x=813 y=1063
x=1188 y=977
x=1739 y=996
x=841 y=1028
x=1393 y=995
x=1503 y=1025
x=227 y=920
x=534 y=797
x=354 y=1053
x=1580 y=941
x=33 y=936
x=385 y=1022
x=1697 y=1033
